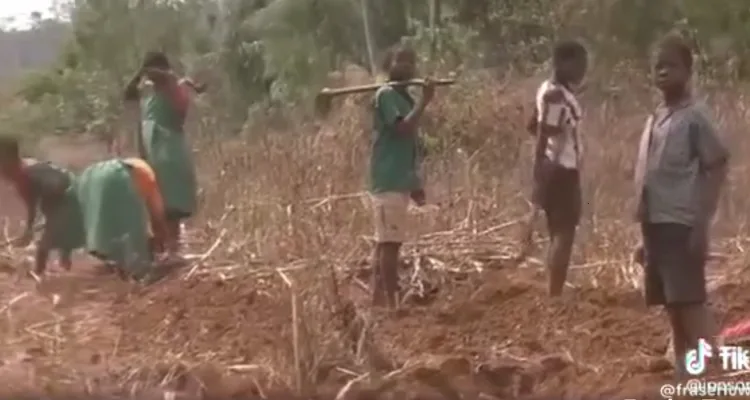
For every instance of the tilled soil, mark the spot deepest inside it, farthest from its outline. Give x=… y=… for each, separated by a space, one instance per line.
x=495 y=334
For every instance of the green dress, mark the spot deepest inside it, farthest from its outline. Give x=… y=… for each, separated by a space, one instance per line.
x=115 y=216
x=167 y=151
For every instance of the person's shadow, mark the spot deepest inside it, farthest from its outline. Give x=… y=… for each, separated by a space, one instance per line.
x=163 y=269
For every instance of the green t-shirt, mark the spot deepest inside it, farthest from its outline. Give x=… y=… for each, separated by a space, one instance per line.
x=393 y=163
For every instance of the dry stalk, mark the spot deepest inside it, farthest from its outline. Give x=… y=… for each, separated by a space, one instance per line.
x=203 y=257
x=375 y=384
x=299 y=364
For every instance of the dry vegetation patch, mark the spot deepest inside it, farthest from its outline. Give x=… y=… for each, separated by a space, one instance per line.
x=276 y=297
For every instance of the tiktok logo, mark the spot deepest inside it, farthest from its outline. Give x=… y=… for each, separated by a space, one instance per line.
x=695 y=360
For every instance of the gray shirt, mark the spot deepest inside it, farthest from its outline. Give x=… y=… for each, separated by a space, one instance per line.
x=678 y=146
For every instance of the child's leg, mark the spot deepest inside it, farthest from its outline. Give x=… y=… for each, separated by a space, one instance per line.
x=680 y=342
x=389 y=263
x=66 y=259
x=175 y=234
x=685 y=294
x=563 y=214
x=699 y=324
x=389 y=215
x=558 y=257
x=378 y=289
x=43 y=248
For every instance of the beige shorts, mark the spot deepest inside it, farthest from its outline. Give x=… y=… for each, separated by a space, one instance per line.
x=390 y=216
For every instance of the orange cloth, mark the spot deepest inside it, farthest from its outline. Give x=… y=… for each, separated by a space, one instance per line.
x=144 y=179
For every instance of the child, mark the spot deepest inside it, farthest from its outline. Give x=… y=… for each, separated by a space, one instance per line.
x=681 y=167
x=557 y=186
x=162 y=141
x=50 y=188
x=394 y=174
x=123 y=214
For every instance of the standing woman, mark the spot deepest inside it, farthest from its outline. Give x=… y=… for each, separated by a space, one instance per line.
x=164 y=104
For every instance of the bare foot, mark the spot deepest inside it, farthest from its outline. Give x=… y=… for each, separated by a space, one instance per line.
x=66 y=264
x=38 y=277
x=378 y=301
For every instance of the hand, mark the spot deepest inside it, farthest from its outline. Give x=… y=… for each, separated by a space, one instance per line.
x=532 y=125
x=699 y=241
x=639 y=255
x=428 y=91
x=66 y=261
x=200 y=88
x=116 y=147
x=419 y=197
x=24 y=240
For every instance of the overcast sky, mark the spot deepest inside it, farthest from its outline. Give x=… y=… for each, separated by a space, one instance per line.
x=20 y=10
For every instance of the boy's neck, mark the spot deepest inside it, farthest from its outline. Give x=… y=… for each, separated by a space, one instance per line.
x=557 y=79
x=676 y=97
x=12 y=171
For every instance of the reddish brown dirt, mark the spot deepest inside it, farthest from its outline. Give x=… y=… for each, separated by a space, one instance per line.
x=504 y=327
x=593 y=341
x=497 y=333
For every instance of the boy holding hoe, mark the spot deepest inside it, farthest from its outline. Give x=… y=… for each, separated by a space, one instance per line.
x=681 y=168
x=394 y=177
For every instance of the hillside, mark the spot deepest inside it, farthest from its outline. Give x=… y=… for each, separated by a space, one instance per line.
x=21 y=51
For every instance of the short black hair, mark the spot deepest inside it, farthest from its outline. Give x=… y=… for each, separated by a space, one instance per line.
x=678 y=43
x=156 y=59
x=10 y=146
x=391 y=52
x=567 y=50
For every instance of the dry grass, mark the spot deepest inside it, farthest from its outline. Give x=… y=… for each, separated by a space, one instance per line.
x=298 y=194
x=286 y=207
x=299 y=198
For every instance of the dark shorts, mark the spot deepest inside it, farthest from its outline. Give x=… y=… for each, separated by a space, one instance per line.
x=557 y=190
x=674 y=273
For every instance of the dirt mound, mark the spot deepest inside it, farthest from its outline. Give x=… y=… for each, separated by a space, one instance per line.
x=606 y=338
x=478 y=331
x=495 y=333
x=232 y=322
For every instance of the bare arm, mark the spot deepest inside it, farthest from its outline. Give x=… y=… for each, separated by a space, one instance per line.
x=550 y=113
x=714 y=182
x=199 y=88
x=131 y=90
x=532 y=125
x=31 y=210
x=41 y=256
x=713 y=158
x=387 y=103
x=410 y=123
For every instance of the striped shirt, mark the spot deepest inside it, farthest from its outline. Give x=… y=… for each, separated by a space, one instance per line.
x=556 y=106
